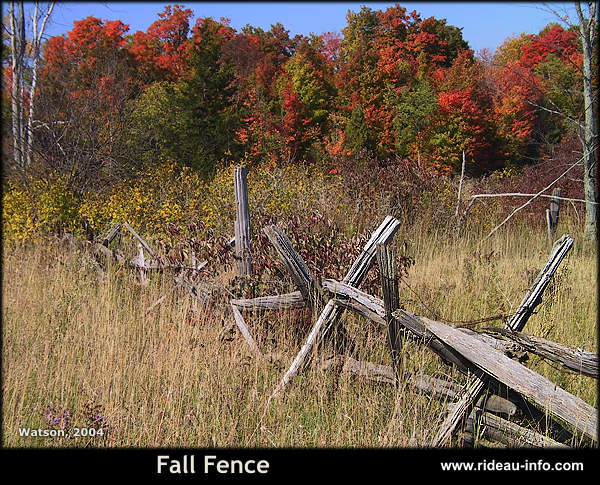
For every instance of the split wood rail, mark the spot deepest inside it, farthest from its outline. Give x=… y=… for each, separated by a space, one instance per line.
x=490 y=358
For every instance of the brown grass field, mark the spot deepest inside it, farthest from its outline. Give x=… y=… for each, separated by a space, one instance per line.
x=77 y=340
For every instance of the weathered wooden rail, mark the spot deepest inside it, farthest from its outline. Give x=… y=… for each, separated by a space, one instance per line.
x=491 y=358
x=499 y=385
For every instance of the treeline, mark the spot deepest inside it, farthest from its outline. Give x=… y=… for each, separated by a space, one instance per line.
x=203 y=94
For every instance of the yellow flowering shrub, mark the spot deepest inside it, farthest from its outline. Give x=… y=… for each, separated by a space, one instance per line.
x=158 y=196
x=167 y=194
x=154 y=197
x=38 y=206
x=277 y=193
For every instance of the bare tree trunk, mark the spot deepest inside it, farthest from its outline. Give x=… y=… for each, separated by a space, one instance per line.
x=22 y=110
x=587 y=36
x=17 y=44
x=36 y=54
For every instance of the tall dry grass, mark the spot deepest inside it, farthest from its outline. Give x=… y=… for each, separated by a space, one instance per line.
x=76 y=336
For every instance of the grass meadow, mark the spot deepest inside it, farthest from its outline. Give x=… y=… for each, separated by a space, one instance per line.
x=80 y=350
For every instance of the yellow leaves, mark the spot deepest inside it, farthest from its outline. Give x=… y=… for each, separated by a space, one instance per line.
x=160 y=195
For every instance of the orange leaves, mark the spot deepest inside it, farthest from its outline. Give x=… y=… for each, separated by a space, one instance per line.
x=92 y=34
x=163 y=51
x=534 y=70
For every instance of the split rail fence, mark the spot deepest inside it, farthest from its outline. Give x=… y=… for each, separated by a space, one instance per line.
x=499 y=386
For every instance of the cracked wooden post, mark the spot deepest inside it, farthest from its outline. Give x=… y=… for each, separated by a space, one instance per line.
x=491 y=363
x=299 y=271
x=331 y=312
x=388 y=270
x=243 y=251
x=534 y=296
x=477 y=385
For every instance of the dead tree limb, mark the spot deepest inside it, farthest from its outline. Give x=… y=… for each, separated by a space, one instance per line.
x=518 y=194
x=530 y=200
x=458 y=201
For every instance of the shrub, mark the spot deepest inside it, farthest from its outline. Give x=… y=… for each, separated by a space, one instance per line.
x=38 y=206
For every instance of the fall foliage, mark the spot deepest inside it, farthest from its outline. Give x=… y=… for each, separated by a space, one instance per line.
x=203 y=94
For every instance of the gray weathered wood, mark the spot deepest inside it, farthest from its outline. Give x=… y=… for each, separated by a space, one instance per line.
x=299 y=271
x=431 y=386
x=156 y=304
x=111 y=235
x=536 y=388
x=241 y=324
x=372 y=308
x=549 y=228
x=554 y=211
x=108 y=253
x=139 y=238
x=478 y=384
x=497 y=429
x=331 y=312
x=577 y=360
x=470 y=394
x=534 y=296
x=360 y=309
x=388 y=271
x=273 y=302
x=140 y=264
x=243 y=249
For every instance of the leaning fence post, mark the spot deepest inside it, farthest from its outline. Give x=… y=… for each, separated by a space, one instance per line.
x=460 y=185
x=388 y=270
x=477 y=385
x=242 y=222
x=552 y=213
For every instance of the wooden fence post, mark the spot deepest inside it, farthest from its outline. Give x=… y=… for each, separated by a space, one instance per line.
x=242 y=222
x=552 y=214
x=331 y=312
x=477 y=385
x=388 y=270
x=299 y=271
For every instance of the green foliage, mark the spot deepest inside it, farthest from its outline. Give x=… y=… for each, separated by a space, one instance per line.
x=358 y=134
x=312 y=81
x=208 y=109
x=155 y=126
x=413 y=113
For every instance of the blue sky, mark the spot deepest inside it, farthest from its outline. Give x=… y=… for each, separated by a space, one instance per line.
x=485 y=24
